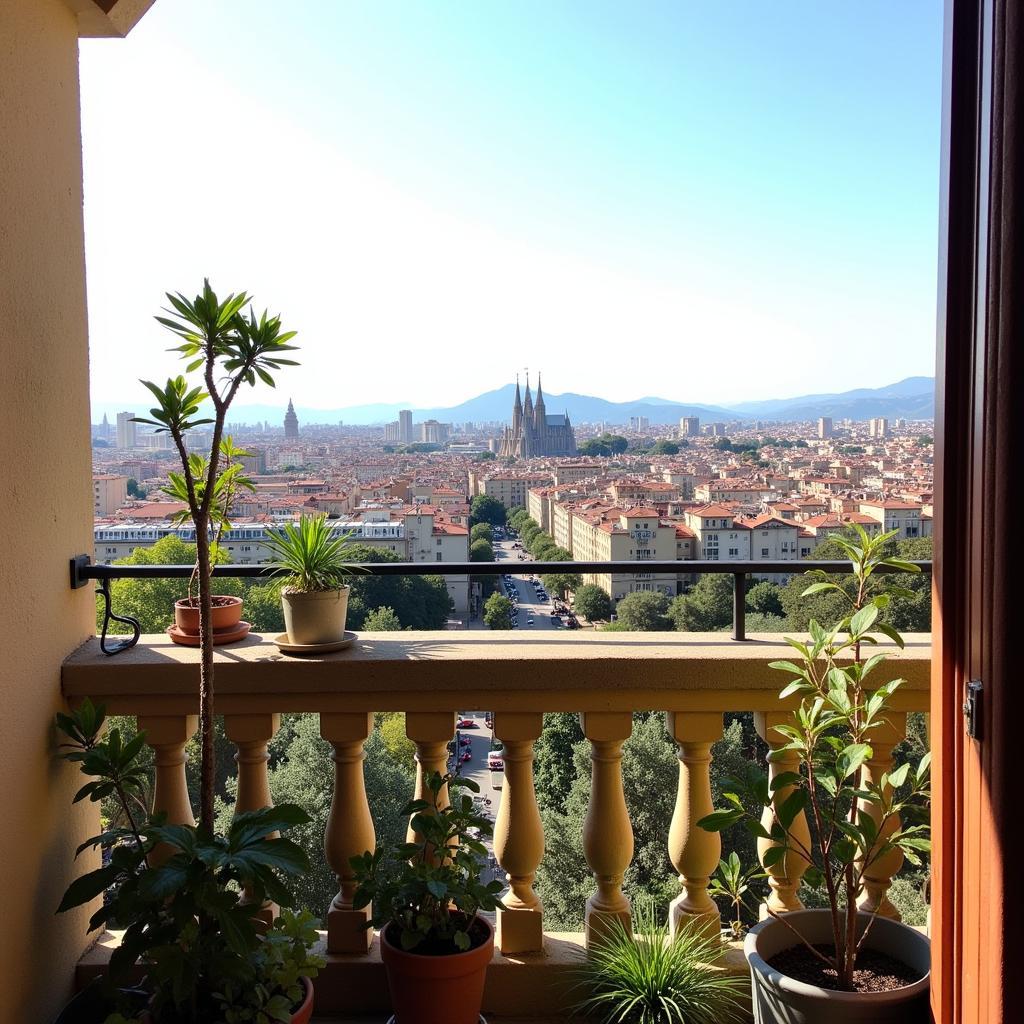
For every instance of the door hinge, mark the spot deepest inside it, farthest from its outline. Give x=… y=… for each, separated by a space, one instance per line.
x=972 y=709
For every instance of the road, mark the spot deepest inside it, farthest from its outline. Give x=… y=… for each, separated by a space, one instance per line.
x=529 y=606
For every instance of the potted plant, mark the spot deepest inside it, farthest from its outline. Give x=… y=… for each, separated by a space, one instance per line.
x=652 y=977
x=194 y=944
x=226 y=609
x=314 y=596
x=426 y=898
x=232 y=349
x=839 y=963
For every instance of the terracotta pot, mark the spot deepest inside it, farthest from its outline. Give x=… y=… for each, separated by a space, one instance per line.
x=304 y=1013
x=436 y=989
x=779 y=999
x=226 y=615
x=315 y=617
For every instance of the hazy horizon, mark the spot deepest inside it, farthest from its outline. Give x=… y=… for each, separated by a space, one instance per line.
x=718 y=203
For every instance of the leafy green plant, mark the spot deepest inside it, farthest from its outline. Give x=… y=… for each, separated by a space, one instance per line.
x=651 y=977
x=188 y=899
x=830 y=733
x=311 y=554
x=732 y=883
x=230 y=348
x=430 y=890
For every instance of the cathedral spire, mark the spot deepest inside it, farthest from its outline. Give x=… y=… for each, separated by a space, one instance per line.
x=517 y=409
x=528 y=401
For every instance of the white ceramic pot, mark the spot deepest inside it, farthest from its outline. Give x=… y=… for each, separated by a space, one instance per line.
x=779 y=999
x=316 y=617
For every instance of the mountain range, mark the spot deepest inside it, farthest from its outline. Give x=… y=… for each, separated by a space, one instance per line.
x=912 y=398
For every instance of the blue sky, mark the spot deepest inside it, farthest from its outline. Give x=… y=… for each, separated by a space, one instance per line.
x=703 y=201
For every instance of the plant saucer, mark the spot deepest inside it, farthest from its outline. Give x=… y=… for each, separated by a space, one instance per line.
x=220 y=636
x=286 y=647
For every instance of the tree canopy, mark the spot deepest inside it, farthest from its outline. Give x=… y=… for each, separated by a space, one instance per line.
x=592 y=602
x=644 y=610
x=498 y=612
x=382 y=620
x=485 y=509
x=707 y=608
x=481 y=531
x=420 y=602
x=481 y=551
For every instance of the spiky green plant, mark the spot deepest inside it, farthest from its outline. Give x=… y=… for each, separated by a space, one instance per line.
x=311 y=554
x=651 y=977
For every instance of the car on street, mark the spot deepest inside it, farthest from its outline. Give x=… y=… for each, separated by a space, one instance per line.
x=467 y=723
x=495 y=762
x=529 y=622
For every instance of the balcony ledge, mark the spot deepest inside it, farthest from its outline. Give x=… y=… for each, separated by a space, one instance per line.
x=536 y=987
x=431 y=671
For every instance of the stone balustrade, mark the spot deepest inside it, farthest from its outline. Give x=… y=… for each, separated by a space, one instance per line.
x=695 y=678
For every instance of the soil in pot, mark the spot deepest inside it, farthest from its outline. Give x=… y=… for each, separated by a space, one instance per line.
x=875 y=971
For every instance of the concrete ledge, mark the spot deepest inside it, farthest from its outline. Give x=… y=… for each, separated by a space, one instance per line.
x=527 y=986
x=462 y=670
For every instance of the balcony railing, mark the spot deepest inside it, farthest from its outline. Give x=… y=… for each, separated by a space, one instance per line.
x=604 y=677
x=83 y=570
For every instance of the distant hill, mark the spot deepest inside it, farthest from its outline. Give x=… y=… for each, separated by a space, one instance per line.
x=913 y=398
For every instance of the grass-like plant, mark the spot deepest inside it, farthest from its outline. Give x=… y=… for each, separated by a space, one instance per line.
x=311 y=554
x=652 y=977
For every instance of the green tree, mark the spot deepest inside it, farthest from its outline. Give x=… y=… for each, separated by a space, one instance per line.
x=391 y=726
x=152 y=601
x=592 y=602
x=481 y=551
x=541 y=546
x=134 y=490
x=764 y=597
x=665 y=447
x=644 y=610
x=420 y=602
x=498 y=612
x=707 y=608
x=263 y=606
x=616 y=443
x=485 y=509
x=515 y=512
x=382 y=620
x=481 y=531
x=527 y=532
x=554 y=770
x=593 y=447
x=561 y=583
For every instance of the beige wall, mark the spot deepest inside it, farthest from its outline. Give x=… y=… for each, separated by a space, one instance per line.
x=44 y=431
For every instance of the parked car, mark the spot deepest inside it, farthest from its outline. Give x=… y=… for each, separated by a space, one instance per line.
x=495 y=762
x=466 y=723
x=529 y=622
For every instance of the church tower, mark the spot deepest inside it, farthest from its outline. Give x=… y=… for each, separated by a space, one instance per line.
x=291 y=422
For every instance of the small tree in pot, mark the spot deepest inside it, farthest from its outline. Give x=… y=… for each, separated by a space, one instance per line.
x=856 y=820
x=426 y=896
x=231 y=349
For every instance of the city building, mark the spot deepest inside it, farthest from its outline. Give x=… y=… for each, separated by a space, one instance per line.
x=639 y=423
x=291 y=422
x=126 y=430
x=432 y=432
x=533 y=433
x=110 y=492
x=405 y=426
x=824 y=427
x=689 y=426
x=879 y=427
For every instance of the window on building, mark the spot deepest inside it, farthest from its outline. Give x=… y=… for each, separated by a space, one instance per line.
x=764 y=552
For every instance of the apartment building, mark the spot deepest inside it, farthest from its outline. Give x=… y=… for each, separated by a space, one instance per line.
x=109 y=493
x=617 y=534
x=511 y=489
x=907 y=517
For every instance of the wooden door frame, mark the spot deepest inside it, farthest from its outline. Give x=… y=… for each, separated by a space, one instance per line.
x=978 y=487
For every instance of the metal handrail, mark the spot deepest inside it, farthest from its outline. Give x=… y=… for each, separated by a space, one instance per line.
x=84 y=570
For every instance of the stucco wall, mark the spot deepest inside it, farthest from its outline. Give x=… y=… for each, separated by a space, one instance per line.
x=45 y=484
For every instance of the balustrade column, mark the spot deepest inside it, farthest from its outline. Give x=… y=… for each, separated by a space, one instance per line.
x=250 y=735
x=349 y=830
x=167 y=735
x=430 y=732
x=607 y=831
x=879 y=874
x=784 y=875
x=519 y=834
x=694 y=851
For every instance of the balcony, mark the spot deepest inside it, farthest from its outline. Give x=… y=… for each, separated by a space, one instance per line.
x=604 y=677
